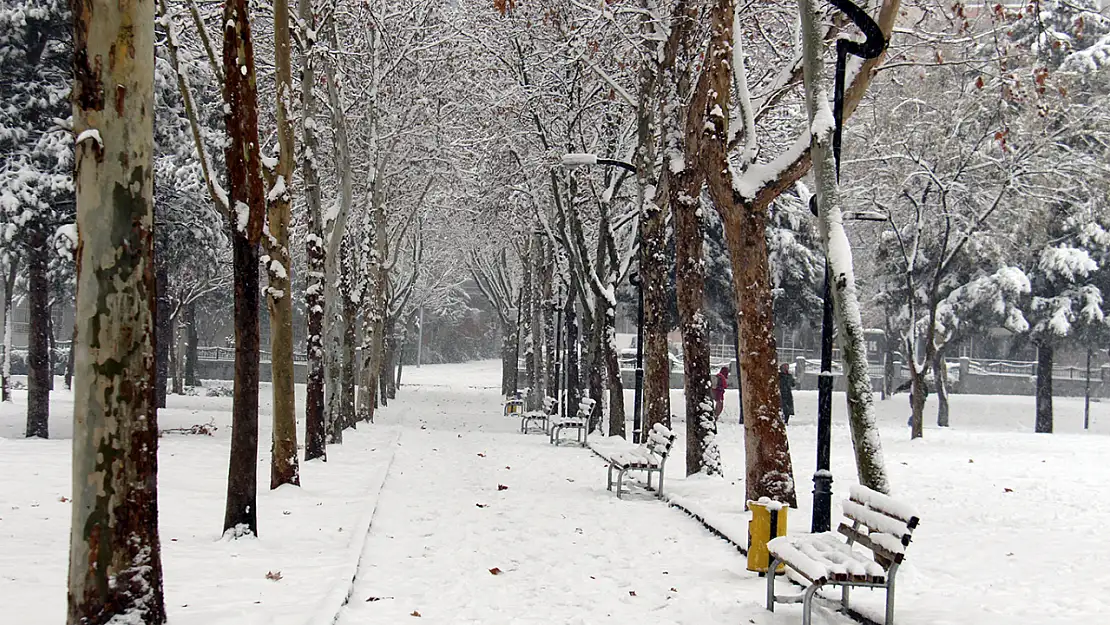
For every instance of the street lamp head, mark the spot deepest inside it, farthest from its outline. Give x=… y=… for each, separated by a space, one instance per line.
x=865 y=216
x=579 y=159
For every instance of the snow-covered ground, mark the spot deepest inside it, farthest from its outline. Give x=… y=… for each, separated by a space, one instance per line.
x=1011 y=530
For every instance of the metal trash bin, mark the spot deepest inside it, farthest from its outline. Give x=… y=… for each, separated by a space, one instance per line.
x=768 y=522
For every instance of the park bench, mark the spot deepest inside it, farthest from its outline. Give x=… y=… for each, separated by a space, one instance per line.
x=528 y=419
x=649 y=457
x=826 y=560
x=580 y=423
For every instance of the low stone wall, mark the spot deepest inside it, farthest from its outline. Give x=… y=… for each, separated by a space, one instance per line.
x=225 y=370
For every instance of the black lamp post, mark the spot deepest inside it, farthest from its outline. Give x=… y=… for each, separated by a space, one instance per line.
x=822 y=477
x=637 y=409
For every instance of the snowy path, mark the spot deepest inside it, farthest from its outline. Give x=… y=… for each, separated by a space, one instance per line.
x=567 y=549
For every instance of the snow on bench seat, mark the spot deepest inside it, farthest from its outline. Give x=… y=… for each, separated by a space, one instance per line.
x=650 y=457
x=826 y=557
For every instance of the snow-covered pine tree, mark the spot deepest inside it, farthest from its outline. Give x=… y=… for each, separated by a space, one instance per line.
x=36 y=189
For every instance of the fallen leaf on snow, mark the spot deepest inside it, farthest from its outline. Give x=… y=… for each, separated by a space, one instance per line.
x=508 y=467
x=632 y=593
x=1007 y=490
x=274 y=575
x=481 y=455
x=63 y=499
x=415 y=613
x=673 y=589
x=369 y=599
x=286 y=512
x=495 y=571
x=482 y=505
x=502 y=487
x=970 y=461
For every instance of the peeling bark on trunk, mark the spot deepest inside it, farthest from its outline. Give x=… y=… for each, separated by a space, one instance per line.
x=314 y=445
x=284 y=468
x=38 y=339
x=917 y=401
x=248 y=204
x=115 y=564
x=1045 y=354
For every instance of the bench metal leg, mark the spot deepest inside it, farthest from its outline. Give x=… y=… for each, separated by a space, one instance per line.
x=844 y=592
x=890 y=598
x=771 y=584
x=807 y=603
x=659 y=493
x=609 y=479
x=620 y=482
x=649 y=479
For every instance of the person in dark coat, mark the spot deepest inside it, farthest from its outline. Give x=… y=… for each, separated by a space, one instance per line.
x=719 y=392
x=786 y=390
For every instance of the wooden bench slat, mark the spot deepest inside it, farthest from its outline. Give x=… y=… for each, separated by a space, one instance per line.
x=866 y=541
x=877 y=521
x=884 y=504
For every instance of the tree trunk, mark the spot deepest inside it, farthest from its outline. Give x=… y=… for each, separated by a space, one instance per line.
x=613 y=368
x=162 y=336
x=739 y=387
x=594 y=365
x=347 y=381
x=175 y=358
x=314 y=444
x=192 y=341
x=508 y=359
x=1045 y=350
x=333 y=305
x=38 y=339
x=702 y=454
x=525 y=325
x=769 y=469
x=115 y=562
x=652 y=259
x=247 y=199
x=279 y=296
x=7 y=283
x=918 y=393
x=69 y=359
x=537 y=333
x=853 y=347
x=52 y=345
x=940 y=375
x=547 y=279
x=574 y=390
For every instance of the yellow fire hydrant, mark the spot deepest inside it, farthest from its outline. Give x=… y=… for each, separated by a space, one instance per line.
x=768 y=522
